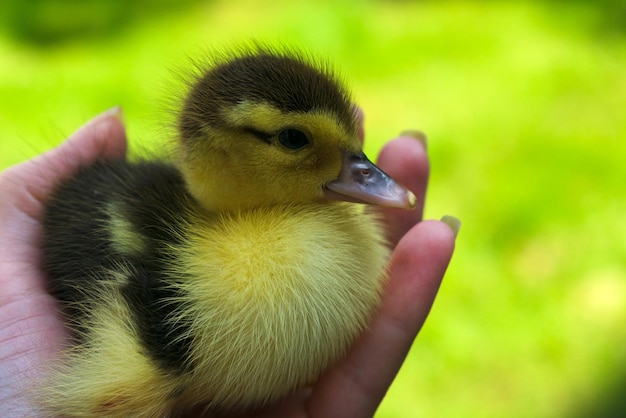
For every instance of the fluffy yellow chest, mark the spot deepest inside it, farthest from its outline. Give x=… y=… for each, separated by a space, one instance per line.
x=277 y=294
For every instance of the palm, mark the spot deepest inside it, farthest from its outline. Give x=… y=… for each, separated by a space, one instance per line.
x=31 y=332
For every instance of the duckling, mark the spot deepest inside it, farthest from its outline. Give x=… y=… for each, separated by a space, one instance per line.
x=234 y=276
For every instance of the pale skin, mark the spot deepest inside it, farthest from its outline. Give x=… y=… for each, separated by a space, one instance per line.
x=31 y=330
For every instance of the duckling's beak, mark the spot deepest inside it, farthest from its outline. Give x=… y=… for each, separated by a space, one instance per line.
x=362 y=181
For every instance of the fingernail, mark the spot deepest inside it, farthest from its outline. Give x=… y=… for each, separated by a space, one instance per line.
x=358 y=113
x=416 y=134
x=453 y=223
x=114 y=112
x=117 y=113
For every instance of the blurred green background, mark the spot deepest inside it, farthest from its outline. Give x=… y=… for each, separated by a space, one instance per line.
x=524 y=104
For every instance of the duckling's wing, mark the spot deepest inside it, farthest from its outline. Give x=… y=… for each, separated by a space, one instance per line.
x=108 y=237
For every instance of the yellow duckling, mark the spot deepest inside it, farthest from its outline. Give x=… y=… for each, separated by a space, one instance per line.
x=234 y=278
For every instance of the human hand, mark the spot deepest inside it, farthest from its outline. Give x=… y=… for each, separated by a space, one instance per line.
x=31 y=331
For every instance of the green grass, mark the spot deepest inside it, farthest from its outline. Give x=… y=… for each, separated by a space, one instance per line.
x=524 y=104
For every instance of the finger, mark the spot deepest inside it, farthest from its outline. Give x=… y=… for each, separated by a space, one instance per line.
x=405 y=160
x=356 y=386
x=25 y=188
x=103 y=137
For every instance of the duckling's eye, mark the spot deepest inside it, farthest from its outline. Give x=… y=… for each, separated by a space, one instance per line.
x=293 y=139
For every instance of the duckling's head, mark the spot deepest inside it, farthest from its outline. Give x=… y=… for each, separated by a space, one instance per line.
x=264 y=128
